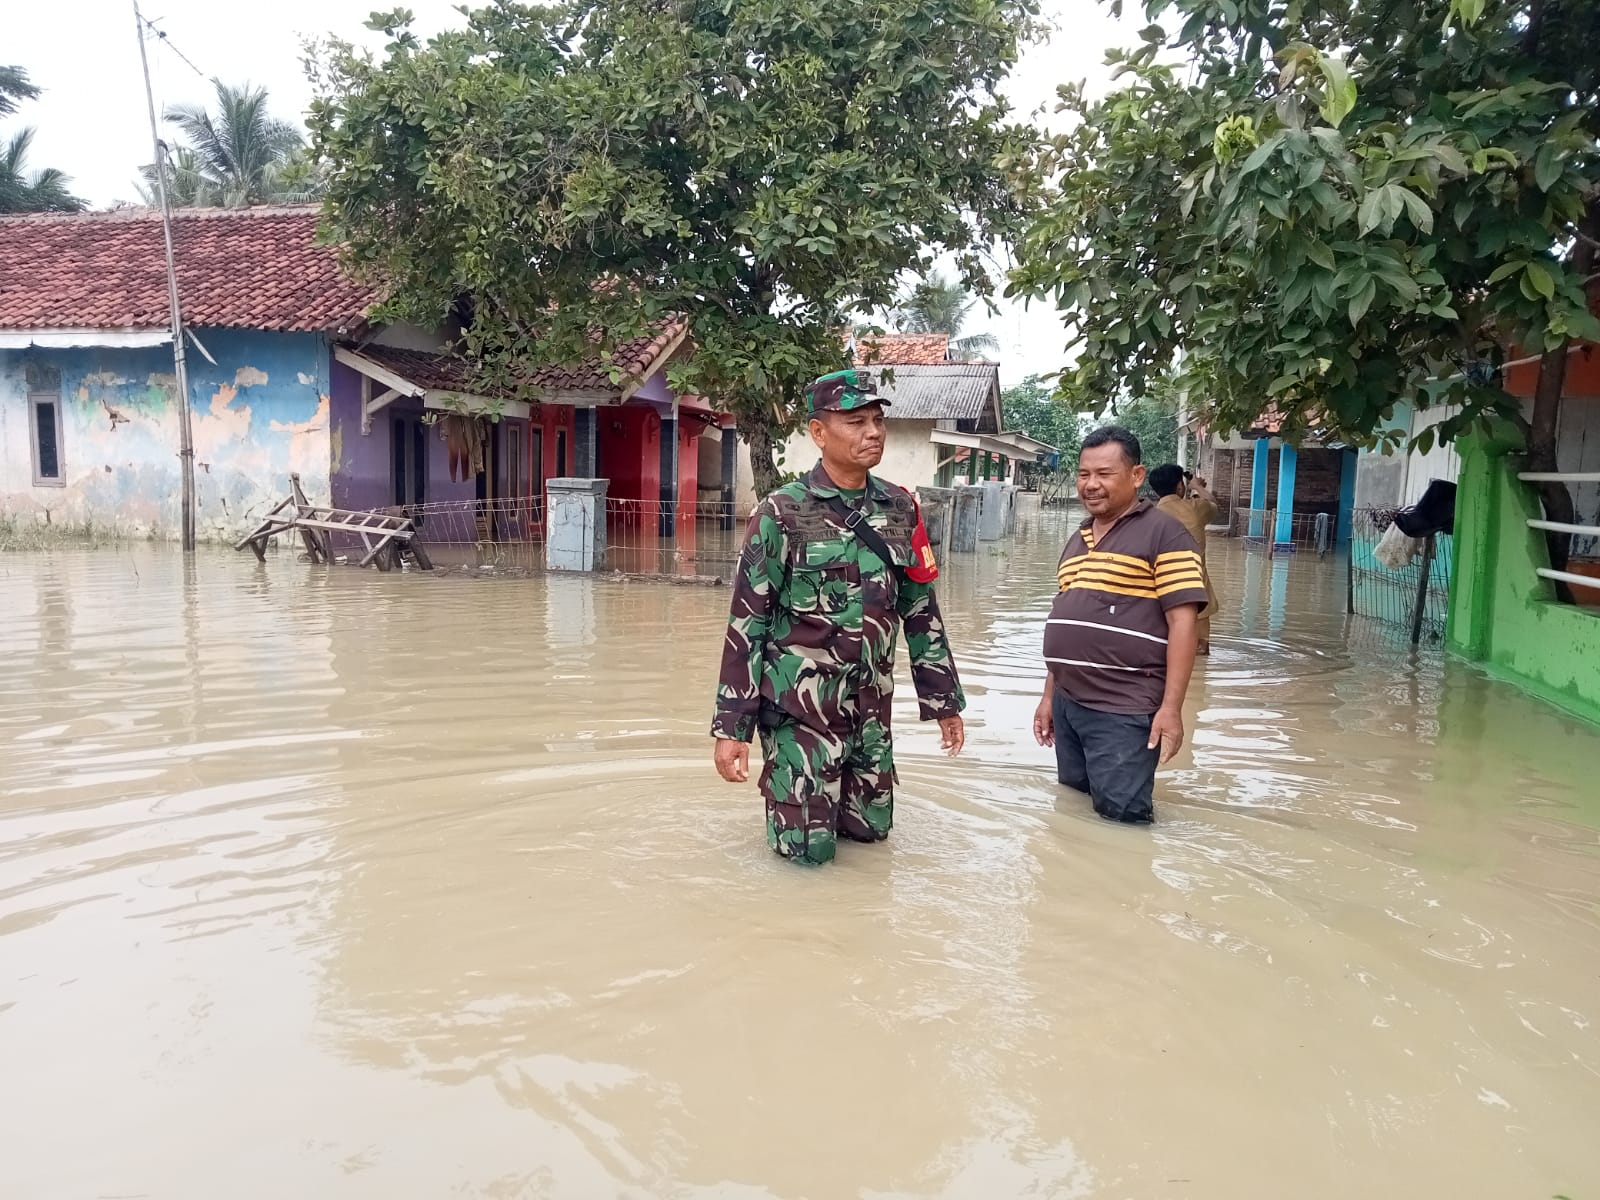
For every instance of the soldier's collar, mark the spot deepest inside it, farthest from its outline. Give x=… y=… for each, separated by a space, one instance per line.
x=820 y=485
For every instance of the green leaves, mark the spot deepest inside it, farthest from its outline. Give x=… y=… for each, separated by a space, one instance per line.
x=1331 y=223
x=1339 y=97
x=764 y=168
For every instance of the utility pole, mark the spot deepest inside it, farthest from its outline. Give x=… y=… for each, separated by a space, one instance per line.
x=180 y=367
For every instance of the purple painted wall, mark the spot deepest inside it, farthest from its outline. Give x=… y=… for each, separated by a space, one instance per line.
x=363 y=464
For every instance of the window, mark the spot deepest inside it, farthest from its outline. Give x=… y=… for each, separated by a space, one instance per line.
x=409 y=445
x=536 y=461
x=561 y=453
x=44 y=419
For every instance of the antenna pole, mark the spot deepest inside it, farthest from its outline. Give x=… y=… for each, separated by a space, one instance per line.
x=180 y=366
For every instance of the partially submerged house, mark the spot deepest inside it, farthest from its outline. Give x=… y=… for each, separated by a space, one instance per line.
x=1504 y=611
x=944 y=416
x=287 y=373
x=1274 y=492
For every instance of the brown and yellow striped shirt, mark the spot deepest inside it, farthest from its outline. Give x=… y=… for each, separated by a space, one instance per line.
x=1105 y=643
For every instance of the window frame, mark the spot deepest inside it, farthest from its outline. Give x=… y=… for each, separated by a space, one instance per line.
x=59 y=479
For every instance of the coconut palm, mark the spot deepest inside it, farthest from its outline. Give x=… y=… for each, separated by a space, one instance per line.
x=939 y=305
x=241 y=155
x=43 y=191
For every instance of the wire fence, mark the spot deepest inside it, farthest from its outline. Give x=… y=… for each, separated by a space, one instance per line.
x=507 y=531
x=1414 y=597
x=688 y=537
x=1260 y=528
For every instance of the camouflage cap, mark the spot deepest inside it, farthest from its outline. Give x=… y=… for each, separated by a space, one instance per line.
x=843 y=391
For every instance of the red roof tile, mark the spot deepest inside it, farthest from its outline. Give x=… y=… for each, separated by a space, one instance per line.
x=903 y=349
x=250 y=268
x=637 y=358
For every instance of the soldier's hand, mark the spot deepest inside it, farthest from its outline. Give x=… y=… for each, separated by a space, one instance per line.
x=1044 y=723
x=733 y=760
x=952 y=735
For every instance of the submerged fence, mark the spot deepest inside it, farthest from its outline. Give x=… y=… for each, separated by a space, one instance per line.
x=1261 y=527
x=1414 y=597
x=689 y=537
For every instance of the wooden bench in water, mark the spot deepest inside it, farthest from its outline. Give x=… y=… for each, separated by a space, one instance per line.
x=387 y=534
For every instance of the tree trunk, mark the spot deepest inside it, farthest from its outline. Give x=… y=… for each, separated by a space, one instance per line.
x=757 y=431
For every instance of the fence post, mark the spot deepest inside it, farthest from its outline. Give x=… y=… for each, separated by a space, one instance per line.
x=1422 y=590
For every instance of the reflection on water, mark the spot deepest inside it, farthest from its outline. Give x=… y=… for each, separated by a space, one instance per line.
x=329 y=883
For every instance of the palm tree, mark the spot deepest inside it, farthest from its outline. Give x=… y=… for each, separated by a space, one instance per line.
x=938 y=305
x=241 y=156
x=44 y=191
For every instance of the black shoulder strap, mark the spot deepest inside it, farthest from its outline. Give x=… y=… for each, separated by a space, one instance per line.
x=856 y=521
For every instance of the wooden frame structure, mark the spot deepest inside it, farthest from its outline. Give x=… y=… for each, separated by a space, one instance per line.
x=387 y=535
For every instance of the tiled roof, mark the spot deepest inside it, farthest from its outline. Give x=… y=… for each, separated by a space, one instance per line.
x=245 y=268
x=947 y=392
x=637 y=358
x=903 y=349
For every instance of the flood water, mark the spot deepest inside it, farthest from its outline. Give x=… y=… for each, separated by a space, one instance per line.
x=322 y=883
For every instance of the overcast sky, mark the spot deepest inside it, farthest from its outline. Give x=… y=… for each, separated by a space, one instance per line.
x=92 y=121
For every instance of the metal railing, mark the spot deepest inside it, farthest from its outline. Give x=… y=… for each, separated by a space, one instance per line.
x=1266 y=526
x=684 y=538
x=1585 y=537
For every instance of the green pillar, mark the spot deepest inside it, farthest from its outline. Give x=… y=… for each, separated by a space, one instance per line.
x=972 y=466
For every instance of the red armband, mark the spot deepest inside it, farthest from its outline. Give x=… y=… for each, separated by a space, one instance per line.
x=923 y=568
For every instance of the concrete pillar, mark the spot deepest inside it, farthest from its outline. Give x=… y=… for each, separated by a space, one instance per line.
x=937 y=504
x=577 y=524
x=668 y=524
x=1283 y=534
x=992 y=510
x=585 y=444
x=730 y=473
x=964 y=520
x=1258 y=486
x=1347 y=495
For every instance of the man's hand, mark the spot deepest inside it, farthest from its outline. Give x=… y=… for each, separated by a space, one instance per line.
x=733 y=760
x=1044 y=723
x=1166 y=731
x=952 y=735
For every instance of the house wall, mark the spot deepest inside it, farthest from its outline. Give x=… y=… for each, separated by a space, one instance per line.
x=1502 y=614
x=363 y=463
x=259 y=414
x=630 y=451
x=909 y=458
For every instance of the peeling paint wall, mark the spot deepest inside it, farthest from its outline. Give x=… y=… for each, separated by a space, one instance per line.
x=260 y=413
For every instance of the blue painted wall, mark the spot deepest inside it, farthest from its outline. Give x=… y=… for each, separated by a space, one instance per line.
x=258 y=414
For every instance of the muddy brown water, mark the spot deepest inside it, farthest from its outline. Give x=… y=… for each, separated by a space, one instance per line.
x=320 y=883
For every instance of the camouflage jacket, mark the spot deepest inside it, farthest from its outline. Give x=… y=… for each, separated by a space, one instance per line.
x=816 y=614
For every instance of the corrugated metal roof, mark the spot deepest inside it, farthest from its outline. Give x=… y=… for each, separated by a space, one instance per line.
x=948 y=392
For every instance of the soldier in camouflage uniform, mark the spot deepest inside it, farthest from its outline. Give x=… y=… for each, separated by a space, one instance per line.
x=817 y=608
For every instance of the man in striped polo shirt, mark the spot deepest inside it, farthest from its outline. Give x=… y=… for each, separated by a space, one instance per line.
x=1120 y=642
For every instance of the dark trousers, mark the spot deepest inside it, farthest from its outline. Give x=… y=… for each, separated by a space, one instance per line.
x=1106 y=755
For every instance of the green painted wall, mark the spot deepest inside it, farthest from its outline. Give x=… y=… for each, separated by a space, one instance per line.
x=1502 y=615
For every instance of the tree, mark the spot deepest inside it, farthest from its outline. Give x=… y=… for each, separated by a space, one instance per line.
x=935 y=304
x=241 y=156
x=46 y=190
x=1332 y=208
x=1029 y=407
x=565 y=178
x=15 y=88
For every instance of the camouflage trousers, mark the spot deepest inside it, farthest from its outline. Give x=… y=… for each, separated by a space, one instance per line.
x=820 y=785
